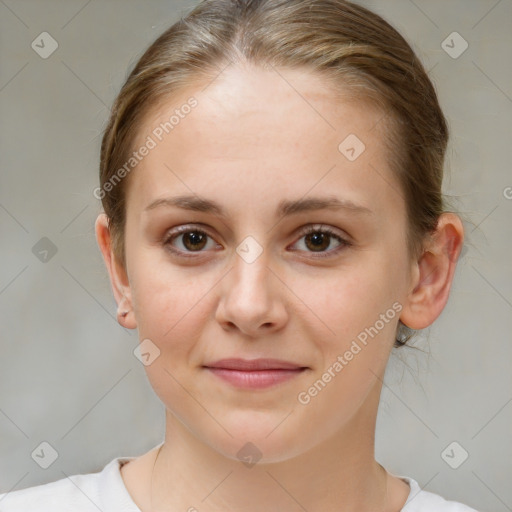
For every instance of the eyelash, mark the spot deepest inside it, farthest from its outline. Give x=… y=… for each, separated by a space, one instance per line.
x=307 y=231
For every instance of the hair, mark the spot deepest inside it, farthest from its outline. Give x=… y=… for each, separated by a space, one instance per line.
x=354 y=49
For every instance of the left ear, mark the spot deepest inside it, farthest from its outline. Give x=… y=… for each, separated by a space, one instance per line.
x=433 y=273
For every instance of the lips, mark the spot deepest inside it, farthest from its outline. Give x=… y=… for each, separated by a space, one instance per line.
x=254 y=364
x=254 y=373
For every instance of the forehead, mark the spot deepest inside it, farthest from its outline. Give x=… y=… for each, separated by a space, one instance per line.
x=261 y=130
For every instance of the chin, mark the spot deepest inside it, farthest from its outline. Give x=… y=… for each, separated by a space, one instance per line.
x=262 y=437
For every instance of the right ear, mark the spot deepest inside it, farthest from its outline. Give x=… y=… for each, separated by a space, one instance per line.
x=117 y=273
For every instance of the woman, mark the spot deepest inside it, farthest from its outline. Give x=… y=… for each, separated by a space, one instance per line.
x=273 y=225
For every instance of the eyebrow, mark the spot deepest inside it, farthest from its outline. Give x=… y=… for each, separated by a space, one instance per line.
x=285 y=207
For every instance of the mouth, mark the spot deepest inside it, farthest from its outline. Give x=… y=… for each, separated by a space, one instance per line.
x=254 y=373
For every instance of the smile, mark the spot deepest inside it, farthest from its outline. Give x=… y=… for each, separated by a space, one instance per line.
x=254 y=374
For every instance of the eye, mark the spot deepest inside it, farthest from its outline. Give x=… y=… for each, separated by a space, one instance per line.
x=318 y=238
x=190 y=238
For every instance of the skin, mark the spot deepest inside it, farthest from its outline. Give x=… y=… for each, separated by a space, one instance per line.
x=252 y=141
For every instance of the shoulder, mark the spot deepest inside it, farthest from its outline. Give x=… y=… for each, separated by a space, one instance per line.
x=423 y=501
x=79 y=493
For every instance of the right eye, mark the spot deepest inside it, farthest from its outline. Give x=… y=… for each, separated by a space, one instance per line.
x=191 y=239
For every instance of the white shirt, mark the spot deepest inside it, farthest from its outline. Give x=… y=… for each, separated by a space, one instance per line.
x=105 y=491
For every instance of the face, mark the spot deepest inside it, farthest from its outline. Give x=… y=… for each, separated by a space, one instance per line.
x=317 y=286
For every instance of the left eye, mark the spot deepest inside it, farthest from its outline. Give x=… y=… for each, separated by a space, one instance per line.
x=318 y=239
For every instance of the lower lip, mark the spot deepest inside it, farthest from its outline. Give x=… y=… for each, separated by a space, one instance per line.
x=256 y=379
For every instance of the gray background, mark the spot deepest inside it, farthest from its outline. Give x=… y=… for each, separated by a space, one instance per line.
x=67 y=372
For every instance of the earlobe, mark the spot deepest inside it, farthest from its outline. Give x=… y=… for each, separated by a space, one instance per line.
x=433 y=273
x=125 y=314
x=117 y=274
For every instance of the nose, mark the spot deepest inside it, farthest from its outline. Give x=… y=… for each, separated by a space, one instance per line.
x=252 y=298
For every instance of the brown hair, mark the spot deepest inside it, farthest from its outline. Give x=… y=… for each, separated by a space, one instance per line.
x=353 y=48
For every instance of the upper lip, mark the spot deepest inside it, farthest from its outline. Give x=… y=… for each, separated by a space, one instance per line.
x=254 y=364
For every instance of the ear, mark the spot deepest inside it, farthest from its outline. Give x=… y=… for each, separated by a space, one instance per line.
x=118 y=275
x=433 y=273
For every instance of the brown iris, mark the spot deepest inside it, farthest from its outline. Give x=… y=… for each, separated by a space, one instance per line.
x=197 y=240
x=320 y=240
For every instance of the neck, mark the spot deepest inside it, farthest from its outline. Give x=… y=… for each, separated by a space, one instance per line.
x=340 y=473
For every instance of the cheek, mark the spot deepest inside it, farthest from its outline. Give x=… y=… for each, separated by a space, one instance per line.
x=360 y=307
x=350 y=298
x=358 y=310
x=171 y=314
x=169 y=303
